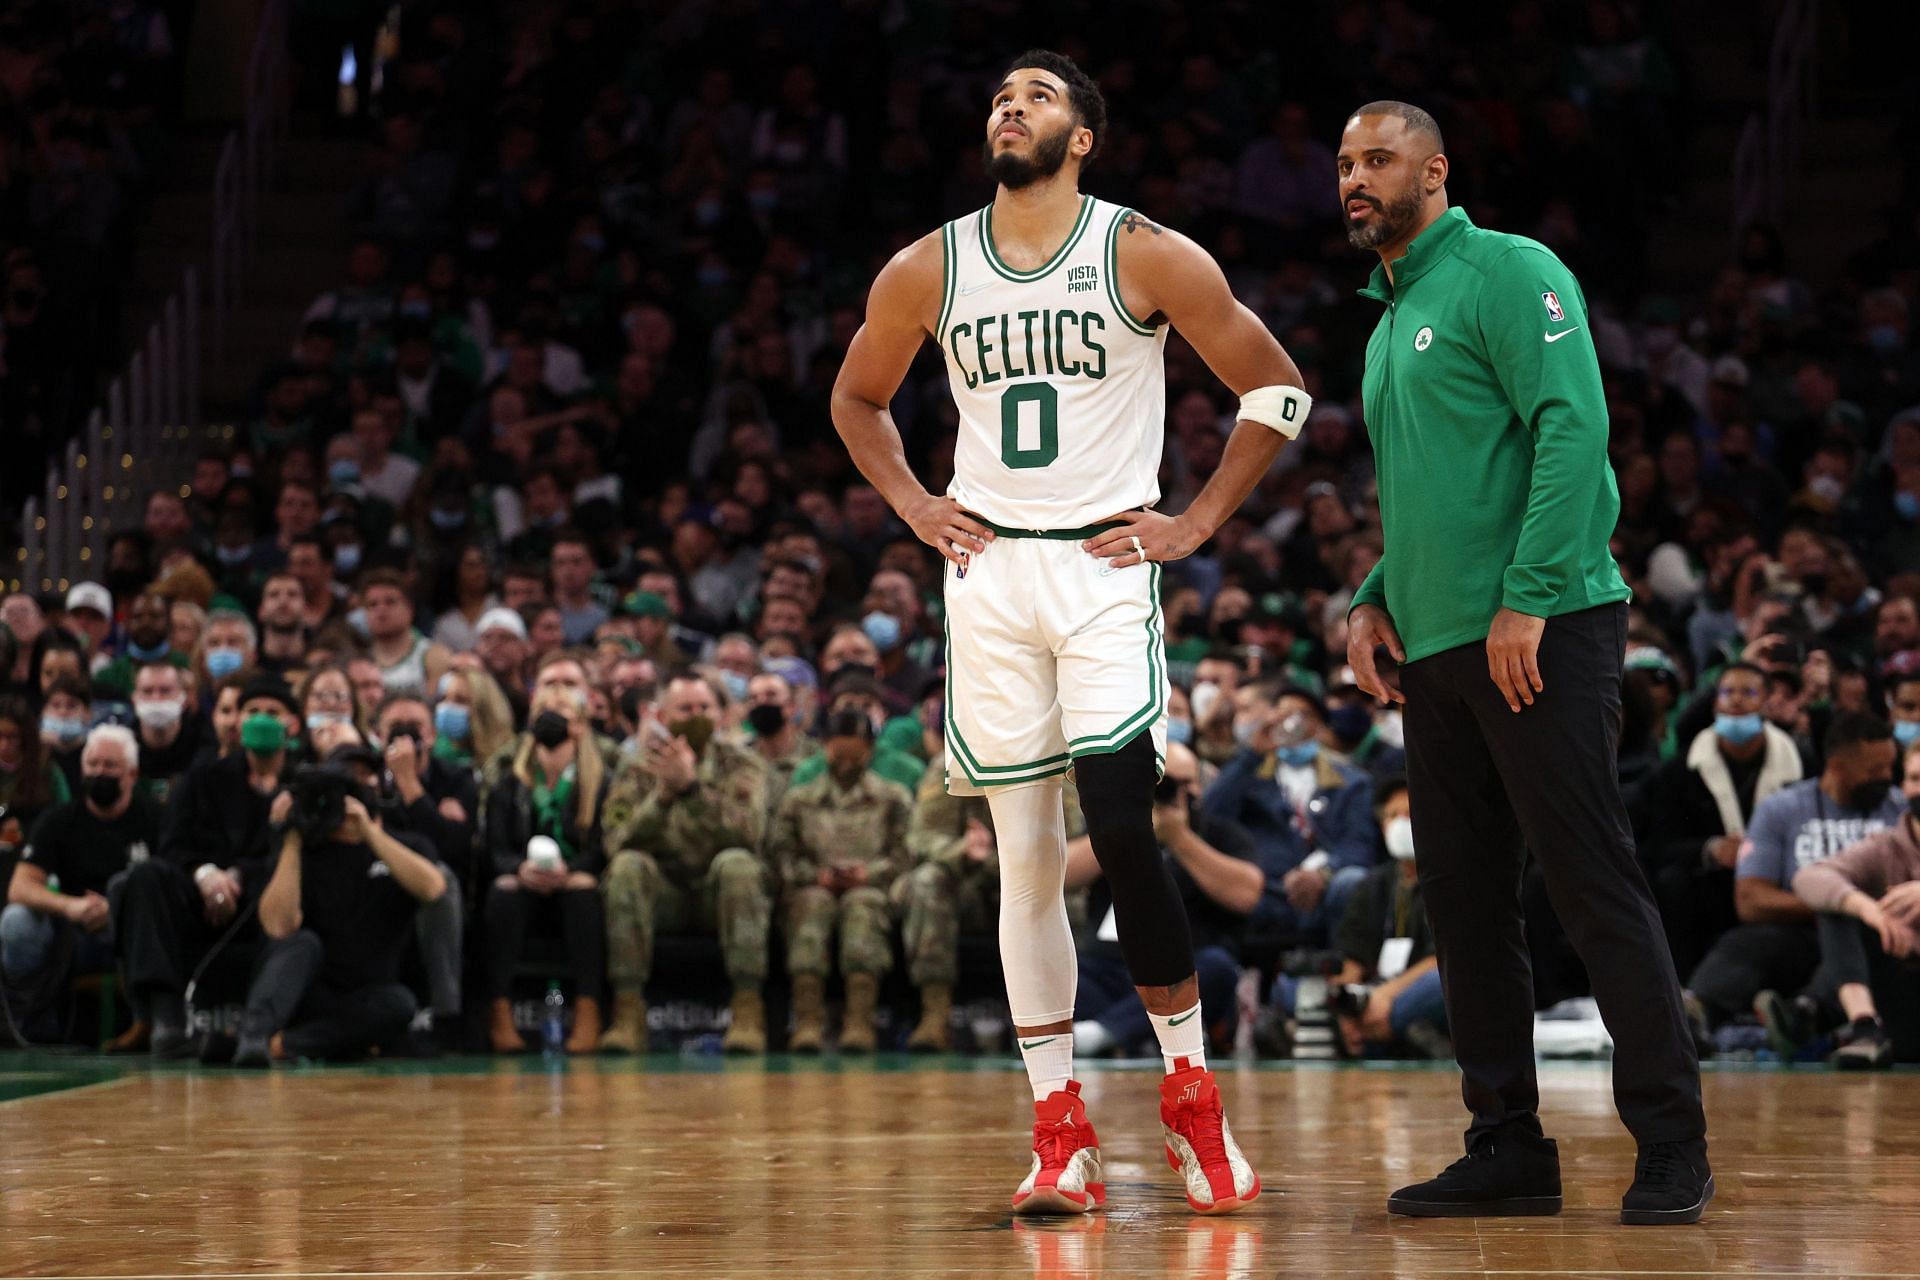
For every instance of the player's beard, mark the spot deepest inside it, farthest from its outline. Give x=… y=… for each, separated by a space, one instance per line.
x=1014 y=172
x=1390 y=221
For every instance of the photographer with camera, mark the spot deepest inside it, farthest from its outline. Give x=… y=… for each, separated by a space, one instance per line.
x=1222 y=878
x=1387 y=993
x=213 y=858
x=542 y=830
x=435 y=799
x=338 y=909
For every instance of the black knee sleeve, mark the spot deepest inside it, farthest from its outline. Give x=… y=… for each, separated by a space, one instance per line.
x=1116 y=794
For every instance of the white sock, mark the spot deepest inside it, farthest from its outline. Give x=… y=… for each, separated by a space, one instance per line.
x=1181 y=1035
x=1049 y=1060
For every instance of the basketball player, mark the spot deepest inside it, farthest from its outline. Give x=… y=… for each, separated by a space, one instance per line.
x=1052 y=310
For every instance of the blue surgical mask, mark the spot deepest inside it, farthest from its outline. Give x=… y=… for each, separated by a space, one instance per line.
x=319 y=720
x=357 y=620
x=452 y=721
x=1906 y=732
x=1351 y=722
x=140 y=653
x=62 y=729
x=231 y=556
x=346 y=559
x=447 y=520
x=222 y=663
x=1738 y=730
x=1299 y=755
x=343 y=472
x=1907 y=505
x=1180 y=731
x=735 y=684
x=883 y=629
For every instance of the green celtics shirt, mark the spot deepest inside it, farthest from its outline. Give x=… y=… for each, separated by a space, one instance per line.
x=1489 y=427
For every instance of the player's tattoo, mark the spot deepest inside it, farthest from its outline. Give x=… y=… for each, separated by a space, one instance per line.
x=1134 y=222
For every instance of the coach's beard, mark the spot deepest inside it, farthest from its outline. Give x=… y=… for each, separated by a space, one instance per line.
x=1390 y=221
x=1014 y=172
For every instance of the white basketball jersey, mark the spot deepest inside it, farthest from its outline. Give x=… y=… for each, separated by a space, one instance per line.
x=1062 y=394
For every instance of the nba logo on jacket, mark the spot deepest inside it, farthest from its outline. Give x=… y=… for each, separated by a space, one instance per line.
x=1554 y=313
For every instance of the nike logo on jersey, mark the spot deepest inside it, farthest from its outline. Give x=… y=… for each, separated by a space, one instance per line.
x=1555 y=337
x=975 y=288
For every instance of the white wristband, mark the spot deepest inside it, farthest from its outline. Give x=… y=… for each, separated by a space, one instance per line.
x=1284 y=409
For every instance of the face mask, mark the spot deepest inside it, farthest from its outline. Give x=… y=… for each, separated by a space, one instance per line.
x=550 y=729
x=1203 y=699
x=1738 y=730
x=1243 y=731
x=447 y=520
x=62 y=730
x=321 y=719
x=735 y=684
x=1400 y=838
x=222 y=663
x=767 y=721
x=452 y=721
x=697 y=730
x=346 y=559
x=147 y=653
x=263 y=734
x=1180 y=731
x=1298 y=755
x=1907 y=505
x=1884 y=339
x=162 y=714
x=1350 y=723
x=103 y=792
x=357 y=622
x=343 y=473
x=232 y=556
x=1827 y=489
x=1867 y=797
x=1905 y=733
x=883 y=629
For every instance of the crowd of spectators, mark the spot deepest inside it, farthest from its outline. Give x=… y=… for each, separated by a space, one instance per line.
x=542 y=534
x=86 y=92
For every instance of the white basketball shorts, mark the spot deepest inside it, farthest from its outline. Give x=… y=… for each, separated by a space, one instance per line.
x=1051 y=656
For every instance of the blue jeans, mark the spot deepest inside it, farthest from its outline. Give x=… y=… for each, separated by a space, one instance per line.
x=1422 y=1000
x=27 y=939
x=1106 y=993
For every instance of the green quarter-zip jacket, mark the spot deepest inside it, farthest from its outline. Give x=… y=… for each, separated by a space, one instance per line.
x=1489 y=427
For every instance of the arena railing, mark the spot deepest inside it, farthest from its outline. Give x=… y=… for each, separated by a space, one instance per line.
x=147 y=431
x=1768 y=152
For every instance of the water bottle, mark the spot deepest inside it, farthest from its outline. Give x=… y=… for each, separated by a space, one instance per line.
x=553 y=1023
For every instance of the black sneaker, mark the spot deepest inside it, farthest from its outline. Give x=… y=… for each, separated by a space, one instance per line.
x=1671 y=1185
x=253 y=1051
x=1510 y=1172
x=1867 y=1047
x=1789 y=1023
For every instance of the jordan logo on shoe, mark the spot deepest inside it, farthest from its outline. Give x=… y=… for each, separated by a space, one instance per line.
x=1191 y=1093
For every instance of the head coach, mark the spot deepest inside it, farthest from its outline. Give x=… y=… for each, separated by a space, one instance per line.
x=1506 y=618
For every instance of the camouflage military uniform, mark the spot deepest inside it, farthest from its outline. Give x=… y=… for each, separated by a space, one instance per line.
x=821 y=824
x=781 y=767
x=946 y=890
x=689 y=864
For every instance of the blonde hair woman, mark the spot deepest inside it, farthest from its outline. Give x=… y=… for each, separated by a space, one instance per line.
x=541 y=827
x=476 y=721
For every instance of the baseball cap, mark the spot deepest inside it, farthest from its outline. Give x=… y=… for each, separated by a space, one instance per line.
x=646 y=604
x=90 y=595
x=501 y=618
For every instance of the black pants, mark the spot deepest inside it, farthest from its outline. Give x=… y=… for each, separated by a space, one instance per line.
x=1851 y=952
x=161 y=927
x=576 y=915
x=1482 y=780
x=1752 y=958
x=320 y=1018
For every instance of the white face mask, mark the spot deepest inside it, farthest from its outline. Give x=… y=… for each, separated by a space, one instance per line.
x=1400 y=838
x=1393 y=729
x=159 y=715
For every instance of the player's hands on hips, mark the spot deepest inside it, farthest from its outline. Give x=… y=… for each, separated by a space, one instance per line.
x=945 y=525
x=1513 y=656
x=1369 y=627
x=1159 y=538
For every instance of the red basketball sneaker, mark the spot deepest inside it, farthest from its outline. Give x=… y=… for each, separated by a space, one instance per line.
x=1066 y=1158
x=1200 y=1147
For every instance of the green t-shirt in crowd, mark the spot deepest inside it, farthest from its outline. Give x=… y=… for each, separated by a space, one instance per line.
x=1489 y=427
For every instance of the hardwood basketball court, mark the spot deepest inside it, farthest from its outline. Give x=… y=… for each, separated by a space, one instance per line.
x=697 y=1167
